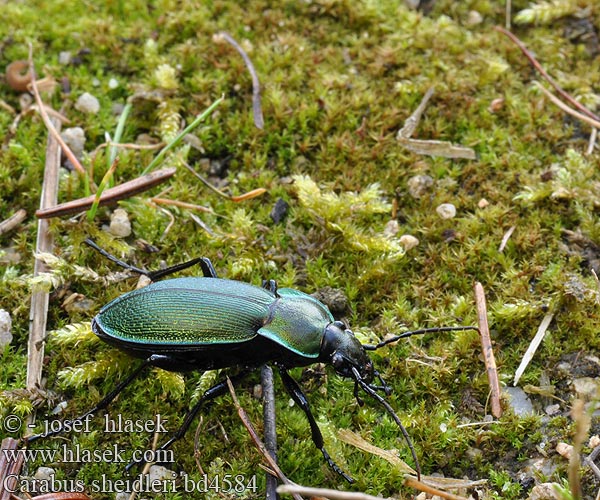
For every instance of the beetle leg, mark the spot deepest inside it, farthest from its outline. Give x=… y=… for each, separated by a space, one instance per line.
x=101 y=405
x=213 y=392
x=270 y=285
x=298 y=396
x=205 y=264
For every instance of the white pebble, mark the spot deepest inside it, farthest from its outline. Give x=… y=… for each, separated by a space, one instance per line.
x=87 y=103
x=446 y=211
x=113 y=83
x=119 y=224
x=64 y=57
x=75 y=139
x=408 y=241
x=5 y=329
x=418 y=185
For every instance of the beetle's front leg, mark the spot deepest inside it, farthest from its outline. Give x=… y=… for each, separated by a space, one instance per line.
x=298 y=396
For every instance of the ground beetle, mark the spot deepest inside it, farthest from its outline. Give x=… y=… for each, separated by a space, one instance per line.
x=207 y=323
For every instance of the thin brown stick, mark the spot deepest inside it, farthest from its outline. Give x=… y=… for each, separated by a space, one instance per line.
x=44 y=244
x=257 y=441
x=259 y=121
x=8 y=469
x=109 y=196
x=418 y=485
x=325 y=493
x=49 y=125
x=488 y=351
x=543 y=72
x=567 y=109
x=13 y=221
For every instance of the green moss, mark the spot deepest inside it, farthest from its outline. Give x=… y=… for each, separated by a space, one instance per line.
x=338 y=80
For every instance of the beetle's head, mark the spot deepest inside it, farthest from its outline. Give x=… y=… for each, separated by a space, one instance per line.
x=342 y=349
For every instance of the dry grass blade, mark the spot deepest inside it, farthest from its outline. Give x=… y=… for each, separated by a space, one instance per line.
x=535 y=343
x=429 y=147
x=590 y=121
x=259 y=121
x=544 y=74
x=488 y=351
x=109 y=196
x=257 y=441
x=426 y=488
x=357 y=441
x=291 y=489
x=49 y=125
x=427 y=483
x=38 y=311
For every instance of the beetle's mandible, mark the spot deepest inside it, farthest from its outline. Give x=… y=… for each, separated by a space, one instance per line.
x=206 y=323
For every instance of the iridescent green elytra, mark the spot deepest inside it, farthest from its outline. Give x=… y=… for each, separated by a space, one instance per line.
x=210 y=313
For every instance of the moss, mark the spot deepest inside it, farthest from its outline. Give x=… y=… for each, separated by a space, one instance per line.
x=339 y=78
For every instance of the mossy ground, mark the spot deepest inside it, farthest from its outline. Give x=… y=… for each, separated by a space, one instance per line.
x=339 y=78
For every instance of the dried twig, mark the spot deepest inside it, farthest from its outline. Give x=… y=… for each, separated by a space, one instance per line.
x=49 y=125
x=590 y=121
x=268 y=394
x=421 y=486
x=291 y=489
x=535 y=343
x=13 y=221
x=488 y=351
x=9 y=471
x=257 y=441
x=259 y=121
x=543 y=72
x=112 y=195
x=429 y=147
x=44 y=243
x=506 y=237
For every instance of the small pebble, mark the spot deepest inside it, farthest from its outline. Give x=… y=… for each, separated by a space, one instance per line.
x=408 y=241
x=87 y=103
x=552 y=409
x=544 y=491
x=594 y=441
x=120 y=226
x=5 y=329
x=446 y=211
x=113 y=83
x=586 y=388
x=564 y=450
x=75 y=139
x=483 y=203
x=419 y=185
x=160 y=473
x=391 y=228
x=64 y=57
x=44 y=474
x=474 y=18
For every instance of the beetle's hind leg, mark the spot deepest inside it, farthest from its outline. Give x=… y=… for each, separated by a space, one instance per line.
x=205 y=264
x=213 y=392
x=101 y=405
x=298 y=396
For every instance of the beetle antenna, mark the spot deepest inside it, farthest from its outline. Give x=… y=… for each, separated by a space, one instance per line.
x=371 y=392
x=439 y=329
